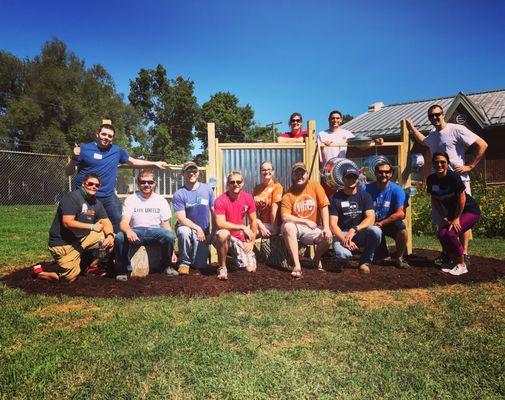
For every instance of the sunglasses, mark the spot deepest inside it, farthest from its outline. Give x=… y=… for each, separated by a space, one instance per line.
x=233 y=183
x=92 y=184
x=440 y=162
x=383 y=172
x=435 y=115
x=143 y=182
x=295 y=120
x=191 y=170
x=267 y=170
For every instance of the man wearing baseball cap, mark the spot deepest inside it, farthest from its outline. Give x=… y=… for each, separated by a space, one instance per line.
x=352 y=219
x=193 y=206
x=304 y=213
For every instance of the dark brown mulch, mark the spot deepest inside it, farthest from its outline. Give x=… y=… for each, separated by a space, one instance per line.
x=423 y=274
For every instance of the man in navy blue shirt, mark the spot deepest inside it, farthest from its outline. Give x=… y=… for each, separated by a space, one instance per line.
x=389 y=206
x=352 y=219
x=102 y=158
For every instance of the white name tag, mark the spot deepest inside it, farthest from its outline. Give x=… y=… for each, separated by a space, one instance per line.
x=97 y=156
x=345 y=204
x=435 y=188
x=387 y=203
x=205 y=202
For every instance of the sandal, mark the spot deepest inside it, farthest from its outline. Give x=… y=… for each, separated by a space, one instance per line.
x=296 y=274
x=222 y=274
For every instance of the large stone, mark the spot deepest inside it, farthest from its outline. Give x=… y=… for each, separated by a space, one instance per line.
x=145 y=260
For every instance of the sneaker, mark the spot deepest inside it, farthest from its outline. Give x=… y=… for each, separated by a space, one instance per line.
x=443 y=259
x=401 y=263
x=171 y=272
x=183 y=269
x=467 y=260
x=364 y=268
x=122 y=278
x=36 y=270
x=459 y=269
x=222 y=274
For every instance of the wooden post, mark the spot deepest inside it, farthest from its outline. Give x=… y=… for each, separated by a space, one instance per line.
x=212 y=170
x=404 y=176
x=311 y=157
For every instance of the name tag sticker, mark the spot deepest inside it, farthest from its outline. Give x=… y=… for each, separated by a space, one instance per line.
x=387 y=203
x=345 y=204
x=97 y=156
x=205 y=202
x=435 y=188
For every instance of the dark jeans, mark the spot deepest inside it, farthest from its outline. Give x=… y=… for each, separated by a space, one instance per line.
x=112 y=206
x=391 y=230
x=146 y=236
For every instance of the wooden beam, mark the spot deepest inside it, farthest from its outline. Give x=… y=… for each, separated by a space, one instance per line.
x=312 y=159
x=404 y=176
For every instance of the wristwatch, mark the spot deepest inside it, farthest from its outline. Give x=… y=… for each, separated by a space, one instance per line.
x=355 y=227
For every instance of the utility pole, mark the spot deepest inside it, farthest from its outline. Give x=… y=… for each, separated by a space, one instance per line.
x=273 y=128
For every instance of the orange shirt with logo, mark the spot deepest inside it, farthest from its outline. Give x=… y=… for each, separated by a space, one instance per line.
x=305 y=203
x=264 y=197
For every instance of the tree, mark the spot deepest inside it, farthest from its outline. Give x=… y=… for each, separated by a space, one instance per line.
x=168 y=107
x=346 y=118
x=53 y=101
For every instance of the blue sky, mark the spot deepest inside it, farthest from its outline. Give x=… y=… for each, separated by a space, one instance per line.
x=279 y=56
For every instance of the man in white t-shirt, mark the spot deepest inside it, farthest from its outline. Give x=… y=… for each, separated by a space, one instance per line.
x=335 y=134
x=453 y=139
x=143 y=213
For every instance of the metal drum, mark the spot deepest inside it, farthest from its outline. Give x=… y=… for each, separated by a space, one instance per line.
x=370 y=164
x=416 y=161
x=333 y=170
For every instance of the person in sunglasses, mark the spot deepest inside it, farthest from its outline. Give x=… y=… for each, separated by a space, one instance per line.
x=454 y=139
x=193 y=206
x=102 y=158
x=389 y=206
x=80 y=225
x=236 y=226
x=296 y=134
x=143 y=213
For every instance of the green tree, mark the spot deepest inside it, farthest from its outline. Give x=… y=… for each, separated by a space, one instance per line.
x=53 y=101
x=346 y=118
x=168 y=107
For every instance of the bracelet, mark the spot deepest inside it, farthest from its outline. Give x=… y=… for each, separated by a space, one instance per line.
x=92 y=227
x=109 y=234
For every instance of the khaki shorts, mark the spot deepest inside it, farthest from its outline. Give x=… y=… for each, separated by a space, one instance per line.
x=307 y=236
x=68 y=257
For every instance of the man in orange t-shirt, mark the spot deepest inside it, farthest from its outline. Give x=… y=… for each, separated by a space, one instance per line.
x=305 y=217
x=267 y=196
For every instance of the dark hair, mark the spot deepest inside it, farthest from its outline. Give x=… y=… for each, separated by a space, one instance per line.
x=146 y=171
x=381 y=164
x=335 y=112
x=294 y=115
x=435 y=106
x=267 y=162
x=440 y=153
x=90 y=175
x=107 y=126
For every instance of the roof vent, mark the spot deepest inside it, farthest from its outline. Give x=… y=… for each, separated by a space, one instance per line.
x=375 y=106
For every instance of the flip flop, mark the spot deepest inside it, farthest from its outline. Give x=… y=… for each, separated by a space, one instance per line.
x=222 y=274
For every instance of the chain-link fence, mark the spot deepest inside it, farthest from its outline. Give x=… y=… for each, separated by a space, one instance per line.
x=33 y=178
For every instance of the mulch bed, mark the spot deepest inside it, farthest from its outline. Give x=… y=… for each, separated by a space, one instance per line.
x=423 y=274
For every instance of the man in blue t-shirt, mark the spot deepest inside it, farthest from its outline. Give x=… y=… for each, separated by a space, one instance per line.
x=352 y=219
x=193 y=206
x=102 y=158
x=389 y=205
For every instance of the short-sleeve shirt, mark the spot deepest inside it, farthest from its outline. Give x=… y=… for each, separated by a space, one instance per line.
x=298 y=135
x=235 y=211
x=339 y=136
x=447 y=189
x=264 y=197
x=350 y=210
x=305 y=203
x=386 y=202
x=454 y=140
x=102 y=163
x=146 y=213
x=196 y=203
x=83 y=208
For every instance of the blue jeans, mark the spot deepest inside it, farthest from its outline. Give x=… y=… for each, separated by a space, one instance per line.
x=191 y=251
x=368 y=238
x=112 y=206
x=146 y=236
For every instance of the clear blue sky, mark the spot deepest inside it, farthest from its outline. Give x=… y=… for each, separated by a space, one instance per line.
x=279 y=56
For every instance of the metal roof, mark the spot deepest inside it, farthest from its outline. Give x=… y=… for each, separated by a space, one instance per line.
x=490 y=107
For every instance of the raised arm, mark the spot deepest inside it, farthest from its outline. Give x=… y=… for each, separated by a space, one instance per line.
x=414 y=131
x=137 y=163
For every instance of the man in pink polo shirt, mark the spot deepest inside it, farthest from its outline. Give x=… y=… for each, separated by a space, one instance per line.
x=237 y=226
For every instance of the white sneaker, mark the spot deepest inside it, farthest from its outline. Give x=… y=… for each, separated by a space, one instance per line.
x=459 y=269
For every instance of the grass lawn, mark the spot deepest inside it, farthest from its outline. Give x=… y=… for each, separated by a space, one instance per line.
x=443 y=342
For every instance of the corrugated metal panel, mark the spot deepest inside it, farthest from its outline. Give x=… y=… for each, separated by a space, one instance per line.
x=386 y=121
x=248 y=162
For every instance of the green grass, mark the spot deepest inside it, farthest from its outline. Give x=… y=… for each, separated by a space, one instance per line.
x=443 y=342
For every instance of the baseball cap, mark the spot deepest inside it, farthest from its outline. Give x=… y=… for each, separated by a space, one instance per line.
x=188 y=164
x=350 y=171
x=298 y=165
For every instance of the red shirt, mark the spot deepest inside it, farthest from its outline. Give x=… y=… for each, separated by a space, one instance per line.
x=298 y=135
x=235 y=211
